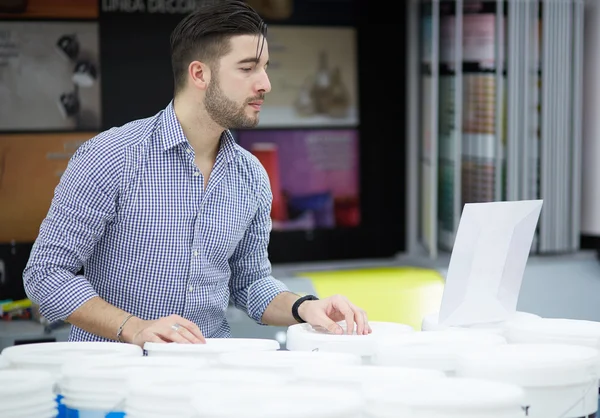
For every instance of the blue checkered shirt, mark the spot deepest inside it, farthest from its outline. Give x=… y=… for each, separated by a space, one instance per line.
x=131 y=210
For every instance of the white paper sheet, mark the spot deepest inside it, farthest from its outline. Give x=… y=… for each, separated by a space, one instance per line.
x=488 y=260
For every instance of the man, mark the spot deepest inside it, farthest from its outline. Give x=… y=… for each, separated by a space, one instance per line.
x=168 y=215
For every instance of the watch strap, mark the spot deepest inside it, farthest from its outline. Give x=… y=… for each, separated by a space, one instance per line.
x=297 y=304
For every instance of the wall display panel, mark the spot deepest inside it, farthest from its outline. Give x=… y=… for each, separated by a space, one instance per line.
x=59 y=9
x=313 y=173
x=313 y=74
x=303 y=12
x=49 y=76
x=30 y=168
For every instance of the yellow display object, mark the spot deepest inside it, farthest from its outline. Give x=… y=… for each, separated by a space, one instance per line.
x=391 y=294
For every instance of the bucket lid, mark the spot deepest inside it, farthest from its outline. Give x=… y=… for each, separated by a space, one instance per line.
x=532 y=364
x=451 y=394
x=87 y=373
x=18 y=383
x=165 y=386
x=363 y=374
x=291 y=401
x=432 y=349
x=215 y=345
x=4 y=364
x=431 y=322
x=303 y=337
x=570 y=331
x=445 y=337
x=285 y=359
x=57 y=352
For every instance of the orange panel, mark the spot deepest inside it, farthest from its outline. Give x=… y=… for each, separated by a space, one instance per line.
x=30 y=169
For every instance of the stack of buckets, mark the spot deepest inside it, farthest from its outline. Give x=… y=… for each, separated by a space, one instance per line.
x=524 y=367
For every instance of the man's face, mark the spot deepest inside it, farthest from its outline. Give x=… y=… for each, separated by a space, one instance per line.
x=237 y=89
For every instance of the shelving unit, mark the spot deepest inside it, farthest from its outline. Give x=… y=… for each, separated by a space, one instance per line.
x=496 y=114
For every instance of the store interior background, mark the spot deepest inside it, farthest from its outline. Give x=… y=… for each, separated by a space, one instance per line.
x=382 y=141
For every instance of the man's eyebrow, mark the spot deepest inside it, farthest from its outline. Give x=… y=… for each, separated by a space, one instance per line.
x=249 y=60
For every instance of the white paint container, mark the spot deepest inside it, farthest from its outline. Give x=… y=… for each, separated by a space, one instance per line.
x=27 y=394
x=290 y=401
x=437 y=350
x=559 y=380
x=51 y=357
x=445 y=398
x=303 y=337
x=554 y=330
x=98 y=387
x=285 y=361
x=431 y=323
x=3 y=363
x=168 y=393
x=212 y=349
x=357 y=377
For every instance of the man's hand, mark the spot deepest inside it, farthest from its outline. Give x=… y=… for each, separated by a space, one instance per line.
x=172 y=328
x=325 y=313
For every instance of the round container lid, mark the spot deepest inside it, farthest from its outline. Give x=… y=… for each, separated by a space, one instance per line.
x=291 y=401
x=431 y=322
x=570 y=331
x=19 y=383
x=449 y=394
x=303 y=337
x=4 y=364
x=363 y=374
x=286 y=359
x=216 y=345
x=432 y=349
x=447 y=337
x=120 y=367
x=56 y=353
x=532 y=364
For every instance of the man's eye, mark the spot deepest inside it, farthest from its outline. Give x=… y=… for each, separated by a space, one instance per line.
x=246 y=69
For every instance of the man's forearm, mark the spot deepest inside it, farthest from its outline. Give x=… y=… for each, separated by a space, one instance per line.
x=99 y=317
x=279 y=311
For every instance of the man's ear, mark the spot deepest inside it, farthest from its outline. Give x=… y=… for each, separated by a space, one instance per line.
x=199 y=74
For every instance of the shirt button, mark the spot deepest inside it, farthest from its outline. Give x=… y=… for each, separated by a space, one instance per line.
x=195 y=252
x=191 y=288
x=196 y=173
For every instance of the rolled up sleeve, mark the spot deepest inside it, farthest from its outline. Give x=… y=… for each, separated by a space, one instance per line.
x=252 y=286
x=84 y=203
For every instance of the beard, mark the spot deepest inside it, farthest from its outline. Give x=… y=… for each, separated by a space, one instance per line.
x=226 y=112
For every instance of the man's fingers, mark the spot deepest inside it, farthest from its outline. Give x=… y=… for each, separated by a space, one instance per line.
x=368 y=329
x=359 y=318
x=192 y=328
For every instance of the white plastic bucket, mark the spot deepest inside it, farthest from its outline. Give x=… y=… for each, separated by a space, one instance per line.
x=445 y=398
x=554 y=330
x=356 y=377
x=285 y=361
x=303 y=337
x=212 y=348
x=436 y=350
x=26 y=394
x=51 y=357
x=4 y=364
x=170 y=394
x=431 y=323
x=292 y=401
x=99 y=387
x=559 y=380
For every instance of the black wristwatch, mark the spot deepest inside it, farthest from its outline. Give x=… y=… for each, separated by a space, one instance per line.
x=297 y=304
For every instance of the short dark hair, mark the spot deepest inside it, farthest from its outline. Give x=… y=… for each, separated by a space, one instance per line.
x=204 y=34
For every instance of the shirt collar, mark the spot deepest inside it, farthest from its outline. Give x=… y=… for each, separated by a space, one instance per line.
x=172 y=135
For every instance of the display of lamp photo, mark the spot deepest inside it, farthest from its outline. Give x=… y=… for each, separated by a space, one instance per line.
x=85 y=74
